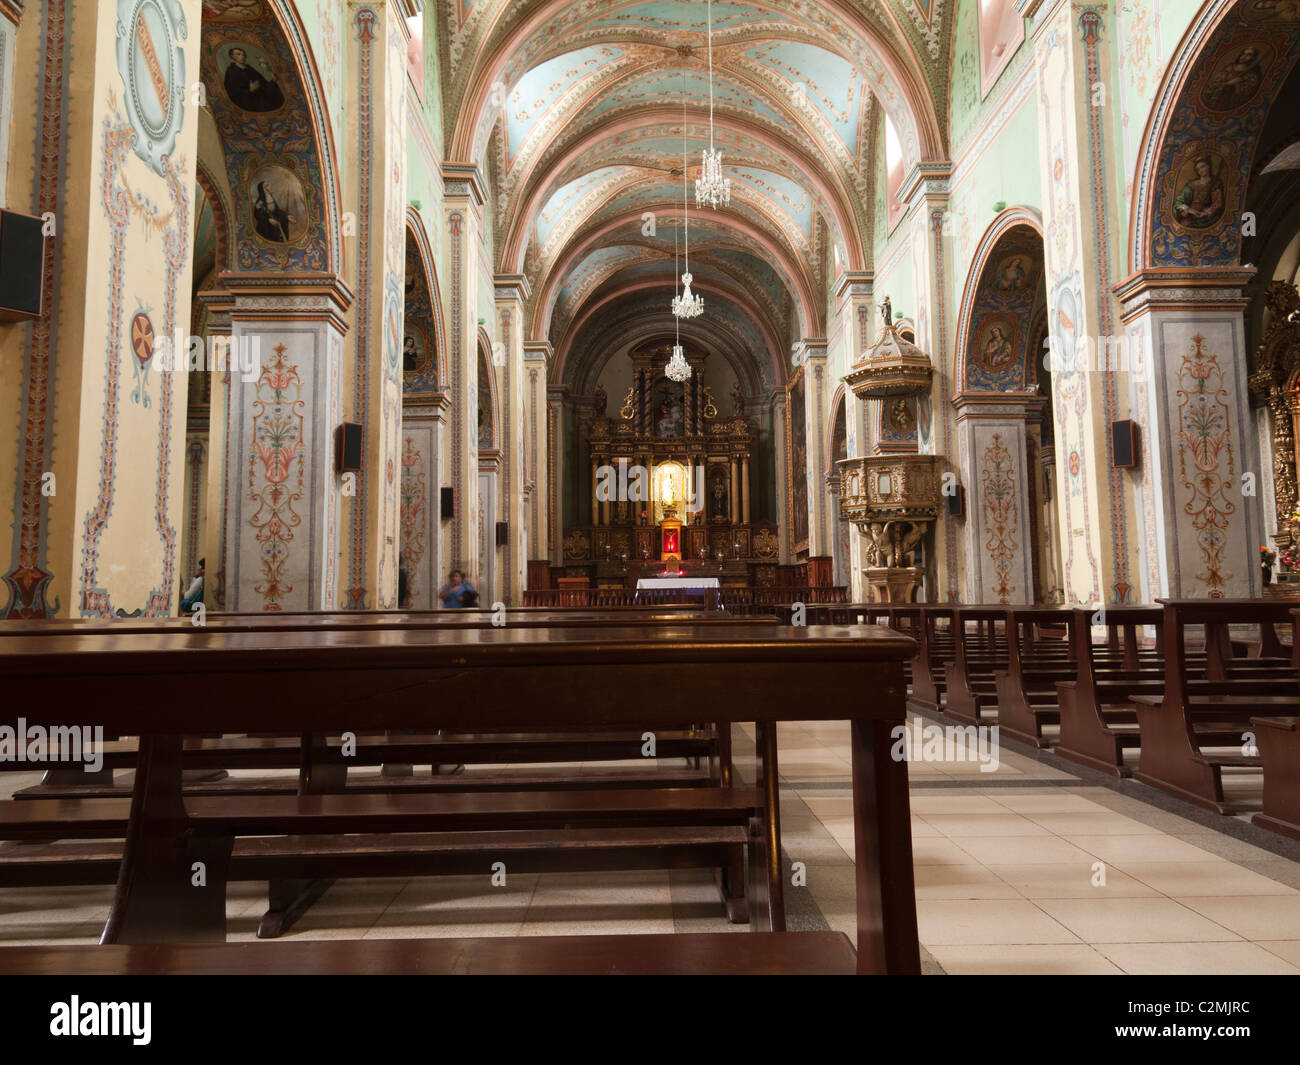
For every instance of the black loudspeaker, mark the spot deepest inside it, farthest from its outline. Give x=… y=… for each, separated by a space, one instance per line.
x=503 y=534
x=957 y=502
x=1123 y=445
x=448 y=503
x=22 y=266
x=348 y=440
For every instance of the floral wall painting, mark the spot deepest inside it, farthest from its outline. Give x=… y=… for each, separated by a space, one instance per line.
x=248 y=76
x=278 y=204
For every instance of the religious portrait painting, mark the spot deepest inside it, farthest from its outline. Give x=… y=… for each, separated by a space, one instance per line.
x=1237 y=77
x=249 y=78
x=1200 y=199
x=233 y=11
x=668 y=412
x=278 y=204
x=1014 y=274
x=995 y=344
x=412 y=355
x=1273 y=11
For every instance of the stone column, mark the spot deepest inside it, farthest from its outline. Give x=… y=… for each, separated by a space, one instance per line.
x=1083 y=237
x=853 y=336
x=283 y=494
x=377 y=43
x=816 y=412
x=998 y=530
x=464 y=195
x=508 y=363
x=555 y=473
x=102 y=145
x=1185 y=333
x=537 y=357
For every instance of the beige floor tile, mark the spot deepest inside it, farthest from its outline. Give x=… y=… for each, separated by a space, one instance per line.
x=1286 y=949
x=929 y=851
x=1253 y=916
x=970 y=921
x=1018 y=959
x=960 y=882
x=1157 y=920
x=1022 y=850
x=1221 y=878
x=964 y=803
x=1070 y=880
x=967 y=826
x=1090 y=823
x=1054 y=801
x=1182 y=959
x=1117 y=850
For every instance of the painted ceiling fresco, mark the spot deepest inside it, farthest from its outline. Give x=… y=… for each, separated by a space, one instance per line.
x=579 y=108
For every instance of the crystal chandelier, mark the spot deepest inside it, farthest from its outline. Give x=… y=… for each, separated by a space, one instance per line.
x=711 y=187
x=686 y=305
x=678 y=369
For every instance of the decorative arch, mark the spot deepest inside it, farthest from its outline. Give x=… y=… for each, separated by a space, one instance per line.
x=489 y=421
x=1201 y=136
x=989 y=302
x=300 y=172
x=830 y=429
x=220 y=216
x=424 y=303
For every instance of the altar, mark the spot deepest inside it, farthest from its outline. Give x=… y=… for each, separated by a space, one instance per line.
x=681 y=588
x=684 y=581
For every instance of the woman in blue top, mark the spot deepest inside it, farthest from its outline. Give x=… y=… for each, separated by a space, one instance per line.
x=457 y=592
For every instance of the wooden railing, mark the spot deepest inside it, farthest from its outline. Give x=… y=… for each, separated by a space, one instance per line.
x=732 y=600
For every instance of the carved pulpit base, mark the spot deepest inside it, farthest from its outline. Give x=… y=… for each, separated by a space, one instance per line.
x=893 y=584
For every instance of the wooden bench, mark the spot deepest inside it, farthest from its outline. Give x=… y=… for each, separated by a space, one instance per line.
x=764 y=953
x=934 y=651
x=1180 y=726
x=325 y=770
x=460 y=679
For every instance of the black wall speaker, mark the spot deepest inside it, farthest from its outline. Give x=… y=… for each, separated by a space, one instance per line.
x=957 y=502
x=348 y=441
x=1123 y=444
x=503 y=534
x=22 y=266
x=448 y=503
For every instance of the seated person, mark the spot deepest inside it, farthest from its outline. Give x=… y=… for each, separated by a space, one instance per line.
x=458 y=592
x=194 y=593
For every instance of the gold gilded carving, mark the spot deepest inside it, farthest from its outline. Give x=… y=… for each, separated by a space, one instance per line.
x=710 y=409
x=627 y=412
x=576 y=545
x=765 y=544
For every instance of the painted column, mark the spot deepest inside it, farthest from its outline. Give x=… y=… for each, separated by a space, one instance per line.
x=283 y=506
x=537 y=356
x=92 y=456
x=997 y=527
x=816 y=411
x=212 y=534
x=376 y=125
x=779 y=414
x=927 y=192
x=512 y=292
x=1201 y=512
x=1080 y=219
x=853 y=297
x=555 y=462
x=463 y=199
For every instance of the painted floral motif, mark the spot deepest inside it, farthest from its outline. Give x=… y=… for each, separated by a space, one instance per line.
x=275 y=459
x=411 y=515
x=1204 y=439
x=1001 y=515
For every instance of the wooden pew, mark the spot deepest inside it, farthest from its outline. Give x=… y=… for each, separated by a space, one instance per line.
x=1026 y=689
x=764 y=953
x=1179 y=726
x=322 y=769
x=969 y=682
x=934 y=650
x=575 y=678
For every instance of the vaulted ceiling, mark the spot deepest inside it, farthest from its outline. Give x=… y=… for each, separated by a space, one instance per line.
x=579 y=111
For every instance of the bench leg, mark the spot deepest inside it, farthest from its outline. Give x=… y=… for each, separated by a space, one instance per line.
x=730 y=881
x=288 y=900
x=171 y=887
x=769 y=782
x=882 y=829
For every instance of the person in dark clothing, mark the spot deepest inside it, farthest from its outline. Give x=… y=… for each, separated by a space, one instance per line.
x=248 y=87
x=271 y=219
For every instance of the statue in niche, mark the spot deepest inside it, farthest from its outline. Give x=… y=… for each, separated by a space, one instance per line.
x=601 y=400
x=670 y=419
x=737 y=400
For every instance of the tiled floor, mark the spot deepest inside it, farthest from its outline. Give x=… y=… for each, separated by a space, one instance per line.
x=1028 y=869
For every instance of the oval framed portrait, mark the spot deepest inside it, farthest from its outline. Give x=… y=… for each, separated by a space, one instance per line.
x=1200 y=189
x=277 y=204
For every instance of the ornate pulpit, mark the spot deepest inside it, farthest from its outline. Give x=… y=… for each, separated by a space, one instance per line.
x=892 y=498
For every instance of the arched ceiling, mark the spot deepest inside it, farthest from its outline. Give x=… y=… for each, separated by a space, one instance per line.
x=579 y=111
